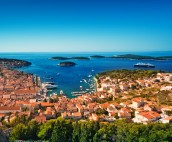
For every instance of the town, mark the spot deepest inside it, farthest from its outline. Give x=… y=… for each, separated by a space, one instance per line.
x=140 y=100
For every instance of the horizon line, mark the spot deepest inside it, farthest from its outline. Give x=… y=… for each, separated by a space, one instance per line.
x=79 y=51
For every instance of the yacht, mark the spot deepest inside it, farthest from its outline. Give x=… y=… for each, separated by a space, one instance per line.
x=147 y=65
x=49 y=85
x=52 y=83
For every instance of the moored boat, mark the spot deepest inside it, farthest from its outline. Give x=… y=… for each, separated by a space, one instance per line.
x=49 y=85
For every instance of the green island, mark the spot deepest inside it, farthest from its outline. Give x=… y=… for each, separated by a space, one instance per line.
x=13 y=63
x=66 y=64
x=125 y=56
x=67 y=58
x=166 y=57
x=139 y=57
x=60 y=58
x=97 y=56
x=81 y=58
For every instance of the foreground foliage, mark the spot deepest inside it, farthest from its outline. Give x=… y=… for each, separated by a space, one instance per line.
x=61 y=130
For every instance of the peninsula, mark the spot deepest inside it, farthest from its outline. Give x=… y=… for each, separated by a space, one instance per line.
x=13 y=63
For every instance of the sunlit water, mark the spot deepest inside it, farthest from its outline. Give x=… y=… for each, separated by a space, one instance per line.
x=69 y=79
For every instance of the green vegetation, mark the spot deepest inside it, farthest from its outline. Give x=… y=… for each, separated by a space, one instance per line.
x=97 y=56
x=128 y=74
x=166 y=57
x=81 y=58
x=69 y=58
x=13 y=63
x=61 y=130
x=60 y=58
x=125 y=56
x=164 y=98
x=66 y=64
x=138 y=57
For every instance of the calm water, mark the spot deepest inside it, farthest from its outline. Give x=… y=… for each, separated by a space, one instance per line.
x=69 y=78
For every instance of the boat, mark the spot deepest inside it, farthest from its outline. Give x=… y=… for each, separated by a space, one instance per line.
x=147 y=65
x=49 y=85
x=76 y=94
x=81 y=92
x=61 y=92
x=89 y=76
x=52 y=83
x=85 y=80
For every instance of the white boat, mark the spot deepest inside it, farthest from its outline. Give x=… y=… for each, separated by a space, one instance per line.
x=76 y=94
x=148 y=65
x=85 y=80
x=49 y=85
x=52 y=83
x=89 y=76
x=81 y=92
x=61 y=92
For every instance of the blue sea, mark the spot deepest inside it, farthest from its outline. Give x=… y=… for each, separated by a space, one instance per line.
x=69 y=79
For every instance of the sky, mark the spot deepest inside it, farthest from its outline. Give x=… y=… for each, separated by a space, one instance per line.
x=85 y=25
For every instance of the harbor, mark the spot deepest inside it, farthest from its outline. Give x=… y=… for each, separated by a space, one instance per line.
x=69 y=79
x=87 y=86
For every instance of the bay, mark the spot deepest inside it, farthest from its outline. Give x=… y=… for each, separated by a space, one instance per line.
x=69 y=79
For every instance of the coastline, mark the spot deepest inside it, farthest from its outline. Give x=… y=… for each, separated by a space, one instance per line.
x=69 y=78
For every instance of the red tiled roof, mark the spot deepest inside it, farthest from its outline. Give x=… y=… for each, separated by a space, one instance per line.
x=149 y=114
x=9 y=108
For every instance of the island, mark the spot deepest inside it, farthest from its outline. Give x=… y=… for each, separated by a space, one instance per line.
x=97 y=56
x=68 y=58
x=13 y=63
x=81 y=58
x=138 y=57
x=59 y=58
x=66 y=64
x=166 y=57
